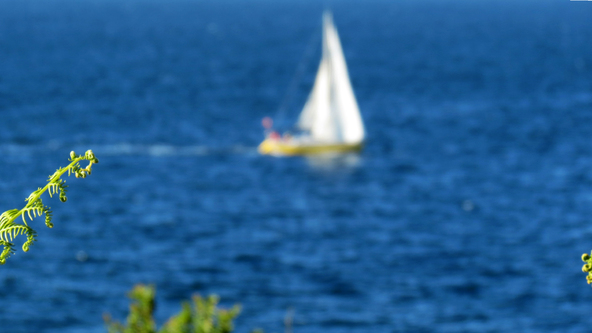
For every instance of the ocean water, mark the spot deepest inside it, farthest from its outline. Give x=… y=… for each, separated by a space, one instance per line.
x=467 y=211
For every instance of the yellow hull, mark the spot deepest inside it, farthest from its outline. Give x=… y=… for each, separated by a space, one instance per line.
x=282 y=148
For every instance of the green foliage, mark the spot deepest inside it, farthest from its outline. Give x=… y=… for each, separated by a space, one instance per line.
x=201 y=315
x=587 y=268
x=10 y=229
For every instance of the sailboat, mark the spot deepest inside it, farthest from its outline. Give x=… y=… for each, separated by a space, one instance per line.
x=330 y=121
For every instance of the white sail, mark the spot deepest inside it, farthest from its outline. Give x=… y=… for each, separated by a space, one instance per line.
x=317 y=100
x=331 y=113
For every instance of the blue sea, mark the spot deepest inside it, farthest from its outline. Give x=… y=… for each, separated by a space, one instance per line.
x=467 y=211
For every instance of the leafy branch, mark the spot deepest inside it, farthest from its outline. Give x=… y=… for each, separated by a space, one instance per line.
x=201 y=315
x=10 y=229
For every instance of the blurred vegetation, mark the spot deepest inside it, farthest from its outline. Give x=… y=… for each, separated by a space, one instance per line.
x=200 y=315
x=9 y=229
x=587 y=268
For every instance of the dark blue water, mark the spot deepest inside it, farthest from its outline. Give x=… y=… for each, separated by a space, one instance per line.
x=467 y=211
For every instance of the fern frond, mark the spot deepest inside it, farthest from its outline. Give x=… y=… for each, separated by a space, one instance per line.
x=34 y=210
x=6 y=252
x=8 y=234
x=8 y=216
x=35 y=193
x=9 y=229
x=48 y=215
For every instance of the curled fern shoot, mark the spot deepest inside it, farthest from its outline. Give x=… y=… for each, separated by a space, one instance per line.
x=10 y=228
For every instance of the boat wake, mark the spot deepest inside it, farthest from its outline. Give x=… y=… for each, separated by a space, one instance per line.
x=171 y=150
x=123 y=149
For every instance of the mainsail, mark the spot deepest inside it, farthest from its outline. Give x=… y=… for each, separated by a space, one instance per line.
x=331 y=113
